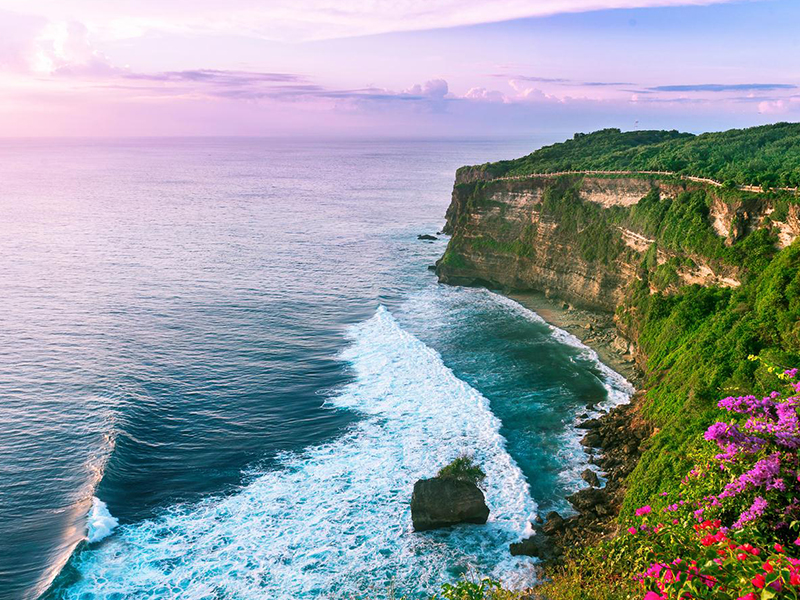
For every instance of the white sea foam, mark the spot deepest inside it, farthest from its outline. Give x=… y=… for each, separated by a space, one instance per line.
x=335 y=520
x=619 y=391
x=100 y=523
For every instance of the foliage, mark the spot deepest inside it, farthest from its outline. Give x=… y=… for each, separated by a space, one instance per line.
x=731 y=528
x=698 y=342
x=484 y=589
x=766 y=156
x=462 y=469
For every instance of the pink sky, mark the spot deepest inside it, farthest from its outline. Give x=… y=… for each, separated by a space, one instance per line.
x=380 y=68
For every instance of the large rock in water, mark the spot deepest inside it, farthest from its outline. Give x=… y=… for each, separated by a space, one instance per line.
x=440 y=502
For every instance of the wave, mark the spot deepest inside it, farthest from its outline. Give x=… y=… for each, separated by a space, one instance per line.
x=334 y=520
x=618 y=392
x=100 y=523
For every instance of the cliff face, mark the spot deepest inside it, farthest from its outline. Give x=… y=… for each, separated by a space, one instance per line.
x=574 y=238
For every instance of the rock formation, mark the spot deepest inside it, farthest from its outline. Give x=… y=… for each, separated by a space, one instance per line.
x=442 y=501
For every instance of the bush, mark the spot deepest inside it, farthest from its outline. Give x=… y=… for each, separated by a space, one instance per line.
x=463 y=469
x=485 y=589
x=728 y=532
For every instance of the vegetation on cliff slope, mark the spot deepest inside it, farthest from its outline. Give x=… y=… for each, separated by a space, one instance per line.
x=698 y=344
x=730 y=529
x=767 y=155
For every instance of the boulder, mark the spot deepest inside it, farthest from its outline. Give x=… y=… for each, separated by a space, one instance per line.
x=441 y=502
x=536 y=545
x=426 y=236
x=592 y=439
x=588 y=499
x=553 y=523
x=591 y=478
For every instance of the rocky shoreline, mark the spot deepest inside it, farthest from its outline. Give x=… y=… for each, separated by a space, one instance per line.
x=614 y=441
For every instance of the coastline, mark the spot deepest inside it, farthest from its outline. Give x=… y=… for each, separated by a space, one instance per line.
x=613 y=441
x=593 y=328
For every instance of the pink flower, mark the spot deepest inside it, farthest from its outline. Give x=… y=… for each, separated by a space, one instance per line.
x=632 y=530
x=644 y=510
x=653 y=596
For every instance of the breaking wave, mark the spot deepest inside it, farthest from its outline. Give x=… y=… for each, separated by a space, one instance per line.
x=334 y=520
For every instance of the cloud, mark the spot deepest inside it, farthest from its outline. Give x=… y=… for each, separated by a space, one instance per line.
x=303 y=20
x=779 y=106
x=724 y=87
x=531 y=78
x=434 y=88
x=484 y=95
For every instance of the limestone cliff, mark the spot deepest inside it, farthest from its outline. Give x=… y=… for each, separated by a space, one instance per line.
x=583 y=239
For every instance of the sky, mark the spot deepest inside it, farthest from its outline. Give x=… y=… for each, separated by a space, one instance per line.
x=394 y=68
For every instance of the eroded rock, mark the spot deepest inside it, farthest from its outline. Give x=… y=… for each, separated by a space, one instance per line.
x=441 y=502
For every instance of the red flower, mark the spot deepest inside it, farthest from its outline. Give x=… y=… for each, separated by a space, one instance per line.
x=778 y=548
x=767 y=567
x=794 y=578
x=759 y=581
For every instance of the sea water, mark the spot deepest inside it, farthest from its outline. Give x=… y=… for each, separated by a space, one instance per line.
x=225 y=364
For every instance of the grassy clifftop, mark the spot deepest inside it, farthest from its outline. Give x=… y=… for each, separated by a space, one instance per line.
x=697 y=343
x=767 y=155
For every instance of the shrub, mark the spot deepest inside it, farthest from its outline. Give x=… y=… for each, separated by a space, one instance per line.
x=731 y=528
x=485 y=589
x=463 y=469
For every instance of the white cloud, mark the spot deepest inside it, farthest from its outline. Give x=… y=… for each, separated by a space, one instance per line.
x=481 y=93
x=435 y=89
x=301 y=20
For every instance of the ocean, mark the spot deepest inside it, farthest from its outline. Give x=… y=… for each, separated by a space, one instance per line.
x=225 y=363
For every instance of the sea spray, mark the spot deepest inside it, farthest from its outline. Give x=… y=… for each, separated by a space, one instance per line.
x=100 y=523
x=334 y=519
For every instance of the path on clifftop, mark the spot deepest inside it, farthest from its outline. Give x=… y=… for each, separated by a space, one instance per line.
x=744 y=188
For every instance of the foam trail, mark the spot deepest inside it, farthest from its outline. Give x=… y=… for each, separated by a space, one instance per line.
x=619 y=391
x=335 y=521
x=100 y=523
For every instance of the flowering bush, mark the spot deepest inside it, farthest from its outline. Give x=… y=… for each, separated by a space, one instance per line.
x=732 y=529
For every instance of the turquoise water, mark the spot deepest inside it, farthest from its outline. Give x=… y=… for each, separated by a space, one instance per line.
x=226 y=362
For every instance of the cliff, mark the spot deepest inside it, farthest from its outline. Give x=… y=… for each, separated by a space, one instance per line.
x=700 y=275
x=582 y=239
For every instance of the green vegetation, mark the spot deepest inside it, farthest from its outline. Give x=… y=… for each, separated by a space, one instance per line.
x=766 y=156
x=699 y=342
x=462 y=469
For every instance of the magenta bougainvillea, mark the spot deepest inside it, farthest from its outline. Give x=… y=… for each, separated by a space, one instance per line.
x=732 y=530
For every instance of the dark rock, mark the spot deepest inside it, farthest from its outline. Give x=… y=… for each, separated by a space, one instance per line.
x=538 y=520
x=592 y=439
x=431 y=267
x=591 y=478
x=536 y=545
x=440 y=502
x=425 y=236
x=590 y=424
x=553 y=523
x=588 y=499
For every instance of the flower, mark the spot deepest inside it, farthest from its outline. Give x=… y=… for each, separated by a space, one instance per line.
x=759 y=581
x=644 y=510
x=751 y=514
x=632 y=530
